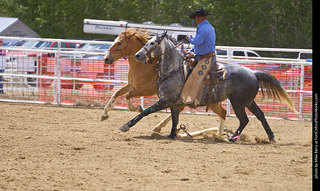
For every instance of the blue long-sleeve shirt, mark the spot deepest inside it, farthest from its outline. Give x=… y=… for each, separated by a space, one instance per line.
x=205 y=39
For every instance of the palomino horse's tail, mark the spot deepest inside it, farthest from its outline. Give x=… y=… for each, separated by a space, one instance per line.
x=272 y=87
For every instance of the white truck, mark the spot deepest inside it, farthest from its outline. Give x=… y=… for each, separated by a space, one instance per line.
x=245 y=53
x=116 y=27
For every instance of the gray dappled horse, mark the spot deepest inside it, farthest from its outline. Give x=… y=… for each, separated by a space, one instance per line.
x=241 y=87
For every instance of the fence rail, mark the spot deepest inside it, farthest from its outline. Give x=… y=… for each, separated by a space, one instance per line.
x=80 y=77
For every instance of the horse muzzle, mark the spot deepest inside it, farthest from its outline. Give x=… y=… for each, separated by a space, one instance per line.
x=140 y=57
x=108 y=60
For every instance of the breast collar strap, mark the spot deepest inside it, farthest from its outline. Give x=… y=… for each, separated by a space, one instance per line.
x=169 y=74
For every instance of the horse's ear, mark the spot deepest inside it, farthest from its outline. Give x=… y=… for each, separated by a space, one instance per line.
x=131 y=32
x=164 y=34
x=124 y=33
x=128 y=32
x=143 y=40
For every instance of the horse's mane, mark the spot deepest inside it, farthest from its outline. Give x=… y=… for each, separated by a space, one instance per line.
x=141 y=34
x=169 y=37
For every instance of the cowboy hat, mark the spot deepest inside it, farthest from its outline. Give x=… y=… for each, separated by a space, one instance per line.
x=198 y=13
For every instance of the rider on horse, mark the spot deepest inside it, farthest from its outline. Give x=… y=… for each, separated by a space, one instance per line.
x=204 y=48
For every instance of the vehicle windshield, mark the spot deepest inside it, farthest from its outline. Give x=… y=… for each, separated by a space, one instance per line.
x=64 y=46
x=29 y=44
x=96 y=47
x=32 y=44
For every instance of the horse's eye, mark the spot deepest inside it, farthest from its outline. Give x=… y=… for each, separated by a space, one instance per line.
x=152 y=43
x=119 y=43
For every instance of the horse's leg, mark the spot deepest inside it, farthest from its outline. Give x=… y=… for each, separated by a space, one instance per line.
x=110 y=104
x=164 y=122
x=254 y=108
x=222 y=113
x=242 y=117
x=137 y=93
x=175 y=111
x=161 y=104
x=131 y=107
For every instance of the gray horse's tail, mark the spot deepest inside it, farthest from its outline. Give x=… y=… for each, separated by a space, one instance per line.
x=272 y=87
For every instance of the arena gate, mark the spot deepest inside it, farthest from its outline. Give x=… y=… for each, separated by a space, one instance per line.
x=81 y=78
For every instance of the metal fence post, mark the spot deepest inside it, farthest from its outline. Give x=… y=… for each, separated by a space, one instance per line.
x=301 y=89
x=142 y=102
x=57 y=73
x=228 y=101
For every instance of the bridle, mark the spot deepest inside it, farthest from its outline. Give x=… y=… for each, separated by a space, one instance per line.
x=149 y=51
x=126 y=48
x=154 y=47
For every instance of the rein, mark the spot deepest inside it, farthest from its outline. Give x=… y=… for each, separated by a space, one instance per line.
x=168 y=75
x=156 y=69
x=164 y=77
x=155 y=47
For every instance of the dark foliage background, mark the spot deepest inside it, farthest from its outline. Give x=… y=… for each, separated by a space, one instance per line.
x=263 y=23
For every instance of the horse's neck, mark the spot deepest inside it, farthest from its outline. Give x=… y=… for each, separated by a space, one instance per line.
x=170 y=59
x=134 y=65
x=136 y=46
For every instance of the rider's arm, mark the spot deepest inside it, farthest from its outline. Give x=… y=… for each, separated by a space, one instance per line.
x=199 y=38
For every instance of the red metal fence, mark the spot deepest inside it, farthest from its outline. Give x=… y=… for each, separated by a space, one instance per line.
x=74 y=77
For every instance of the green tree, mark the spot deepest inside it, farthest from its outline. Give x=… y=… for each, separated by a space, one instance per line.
x=263 y=23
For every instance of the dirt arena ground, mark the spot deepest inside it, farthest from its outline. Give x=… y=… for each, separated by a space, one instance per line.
x=44 y=147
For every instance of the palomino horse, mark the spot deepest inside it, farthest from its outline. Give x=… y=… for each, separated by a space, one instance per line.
x=141 y=78
x=241 y=88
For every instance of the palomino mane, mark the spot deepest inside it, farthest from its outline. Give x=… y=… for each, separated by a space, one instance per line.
x=141 y=34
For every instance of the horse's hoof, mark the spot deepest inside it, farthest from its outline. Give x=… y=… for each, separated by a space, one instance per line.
x=104 y=117
x=124 y=128
x=171 y=136
x=231 y=139
x=272 y=141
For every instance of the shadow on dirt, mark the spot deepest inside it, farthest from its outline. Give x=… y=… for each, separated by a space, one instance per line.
x=245 y=140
